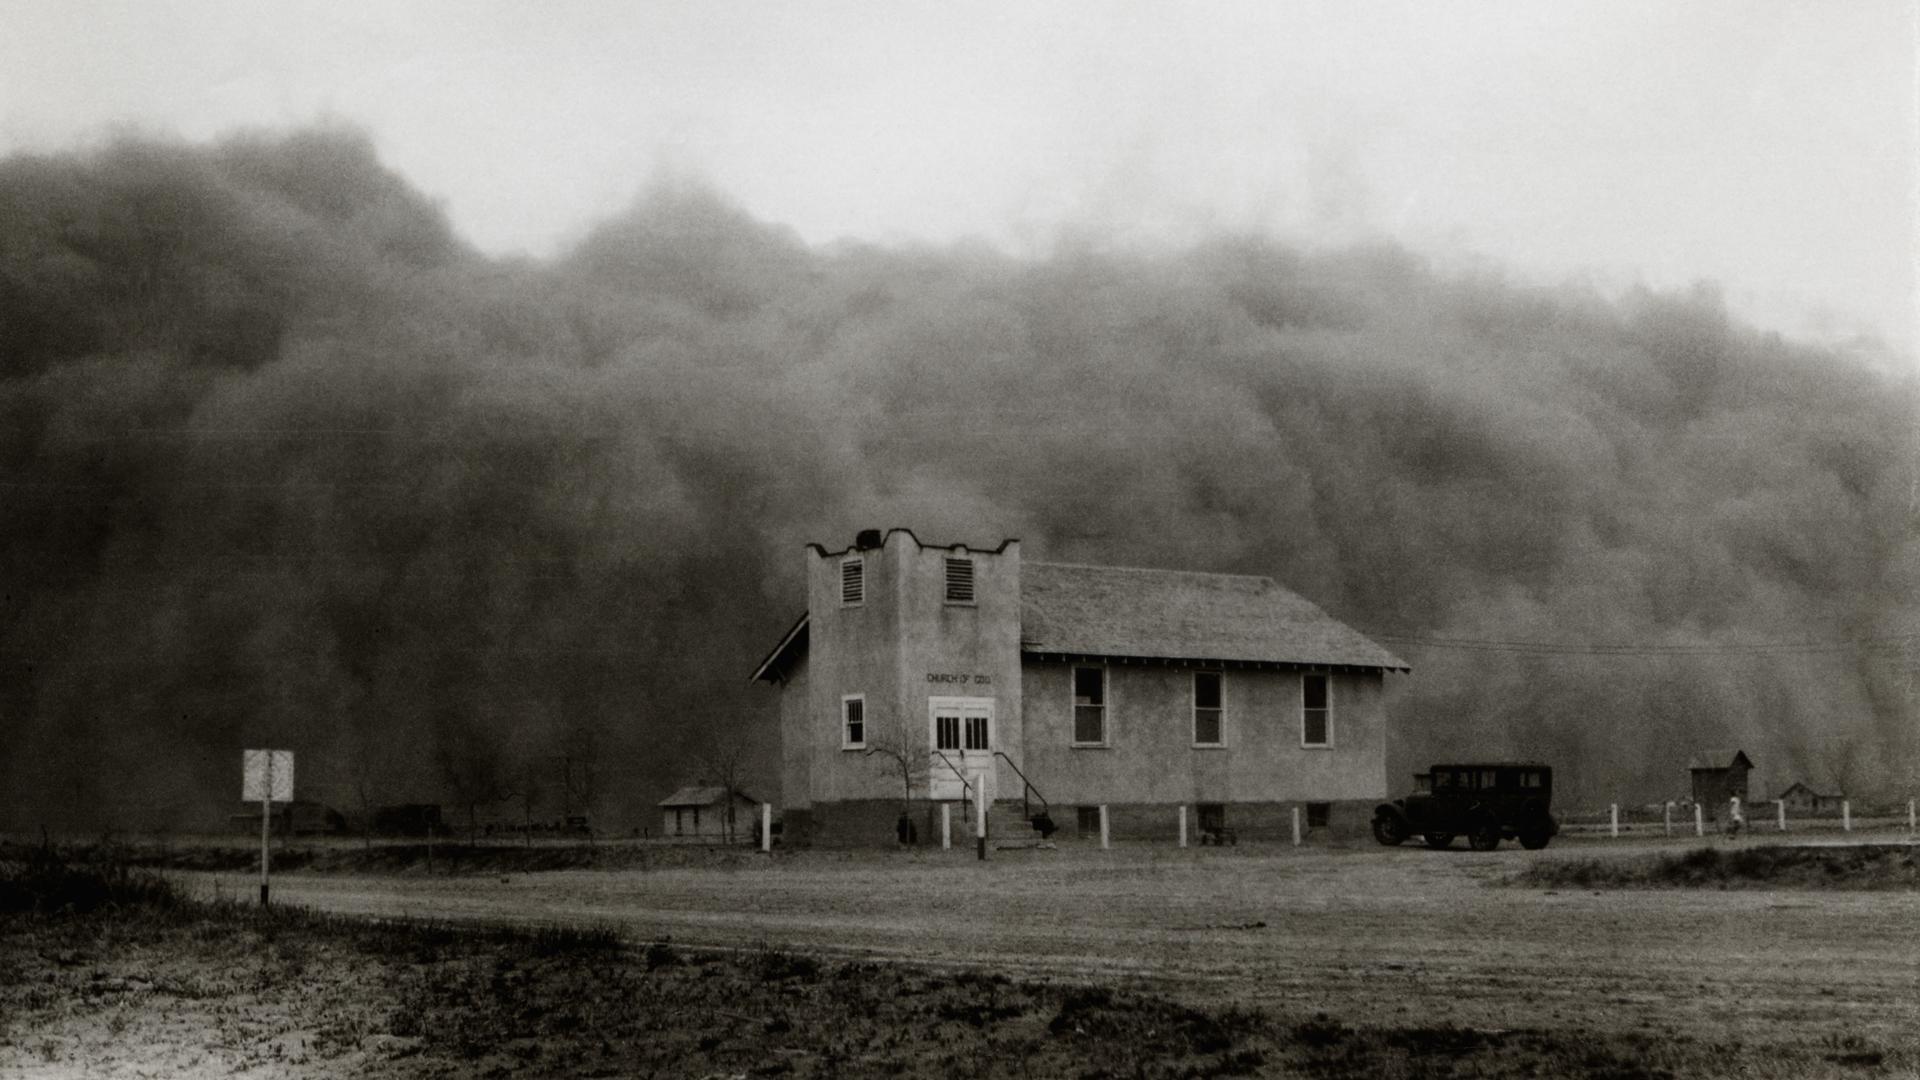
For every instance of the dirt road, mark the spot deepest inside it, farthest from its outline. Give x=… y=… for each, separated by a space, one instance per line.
x=1402 y=935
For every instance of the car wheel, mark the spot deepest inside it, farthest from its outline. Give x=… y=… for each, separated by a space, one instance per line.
x=1439 y=839
x=1389 y=830
x=1484 y=837
x=1535 y=839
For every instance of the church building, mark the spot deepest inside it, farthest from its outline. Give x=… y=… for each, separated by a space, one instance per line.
x=923 y=674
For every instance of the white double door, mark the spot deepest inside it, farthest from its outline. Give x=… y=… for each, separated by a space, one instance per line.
x=960 y=737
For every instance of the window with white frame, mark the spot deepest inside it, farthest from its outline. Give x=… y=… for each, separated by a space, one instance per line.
x=853 y=722
x=1207 y=710
x=853 y=581
x=1316 y=712
x=1089 y=706
x=959 y=581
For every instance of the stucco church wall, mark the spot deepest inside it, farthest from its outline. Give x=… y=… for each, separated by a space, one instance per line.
x=1150 y=757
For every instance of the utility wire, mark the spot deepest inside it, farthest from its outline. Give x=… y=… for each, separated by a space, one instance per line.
x=1877 y=643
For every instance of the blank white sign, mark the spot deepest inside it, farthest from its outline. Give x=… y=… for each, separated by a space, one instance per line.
x=266 y=771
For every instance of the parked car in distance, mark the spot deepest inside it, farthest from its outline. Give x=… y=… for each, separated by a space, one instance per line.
x=1487 y=803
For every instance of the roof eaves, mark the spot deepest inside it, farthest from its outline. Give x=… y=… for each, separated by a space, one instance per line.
x=790 y=641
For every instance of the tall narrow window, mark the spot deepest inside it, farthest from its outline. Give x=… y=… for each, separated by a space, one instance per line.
x=853 y=717
x=959 y=581
x=1089 y=705
x=976 y=733
x=946 y=733
x=1206 y=708
x=853 y=582
x=1315 y=717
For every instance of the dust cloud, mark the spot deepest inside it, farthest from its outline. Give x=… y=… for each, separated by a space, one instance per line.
x=287 y=462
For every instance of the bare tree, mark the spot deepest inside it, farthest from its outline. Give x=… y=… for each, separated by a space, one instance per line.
x=1840 y=755
x=724 y=762
x=477 y=776
x=579 y=781
x=905 y=755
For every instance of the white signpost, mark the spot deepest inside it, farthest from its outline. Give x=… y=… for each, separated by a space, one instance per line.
x=266 y=775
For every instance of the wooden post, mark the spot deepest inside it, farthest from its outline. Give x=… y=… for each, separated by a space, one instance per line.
x=1613 y=819
x=1699 y=820
x=1910 y=818
x=766 y=827
x=1846 y=815
x=1666 y=817
x=1780 y=813
x=266 y=823
x=946 y=826
x=1183 y=824
x=980 y=825
x=1296 y=826
x=1103 y=826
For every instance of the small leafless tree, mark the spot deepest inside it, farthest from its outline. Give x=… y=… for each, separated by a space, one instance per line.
x=905 y=755
x=724 y=763
x=579 y=782
x=477 y=776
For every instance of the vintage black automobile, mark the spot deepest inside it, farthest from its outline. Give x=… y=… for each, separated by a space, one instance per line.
x=1487 y=803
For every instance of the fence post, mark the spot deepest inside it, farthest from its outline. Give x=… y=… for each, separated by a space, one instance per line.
x=1613 y=819
x=946 y=826
x=766 y=827
x=1183 y=824
x=1780 y=813
x=1734 y=818
x=1910 y=819
x=1296 y=826
x=1846 y=815
x=980 y=823
x=1666 y=817
x=1699 y=820
x=1103 y=826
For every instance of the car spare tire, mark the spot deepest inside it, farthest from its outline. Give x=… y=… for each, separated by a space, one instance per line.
x=1484 y=837
x=1390 y=829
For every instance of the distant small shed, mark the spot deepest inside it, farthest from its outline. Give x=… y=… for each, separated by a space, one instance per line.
x=1719 y=775
x=408 y=819
x=1799 y=796
x=704 y=812
x=301 y=817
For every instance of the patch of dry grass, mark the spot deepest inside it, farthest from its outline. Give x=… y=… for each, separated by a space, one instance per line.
x=171 y=987
x=1863 y=866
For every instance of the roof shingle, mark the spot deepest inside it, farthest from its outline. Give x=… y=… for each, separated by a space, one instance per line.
x=701 y=796
x=1182 y=615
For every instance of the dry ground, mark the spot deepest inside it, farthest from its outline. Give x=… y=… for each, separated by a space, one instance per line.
x=1380 y=962
x=1392 y=934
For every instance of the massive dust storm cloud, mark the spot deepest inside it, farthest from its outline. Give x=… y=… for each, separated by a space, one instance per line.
x=286 y=462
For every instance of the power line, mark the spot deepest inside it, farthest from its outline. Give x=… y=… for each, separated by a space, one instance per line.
x=1878 y=643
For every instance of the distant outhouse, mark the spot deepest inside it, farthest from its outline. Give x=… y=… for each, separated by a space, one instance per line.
x=704 y=812
x=1799 y=796
x=1718 y=776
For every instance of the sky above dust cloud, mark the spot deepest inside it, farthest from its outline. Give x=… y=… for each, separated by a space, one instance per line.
x=1769 y=147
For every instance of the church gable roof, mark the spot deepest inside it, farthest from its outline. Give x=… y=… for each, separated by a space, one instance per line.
x=1182 y=615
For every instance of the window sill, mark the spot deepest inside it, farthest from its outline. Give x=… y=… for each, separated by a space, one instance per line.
x=854 y=746
x=1209 y=746
x=1316 y=746
x=1090 y=746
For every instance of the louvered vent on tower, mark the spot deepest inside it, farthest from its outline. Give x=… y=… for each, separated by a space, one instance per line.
x=853 y=581
x=959 y=581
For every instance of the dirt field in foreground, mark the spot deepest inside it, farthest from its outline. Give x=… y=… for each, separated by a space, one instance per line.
x=1365 y=934
x=1143 y=962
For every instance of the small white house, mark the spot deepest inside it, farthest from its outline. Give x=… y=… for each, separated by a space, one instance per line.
x=703 y=812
